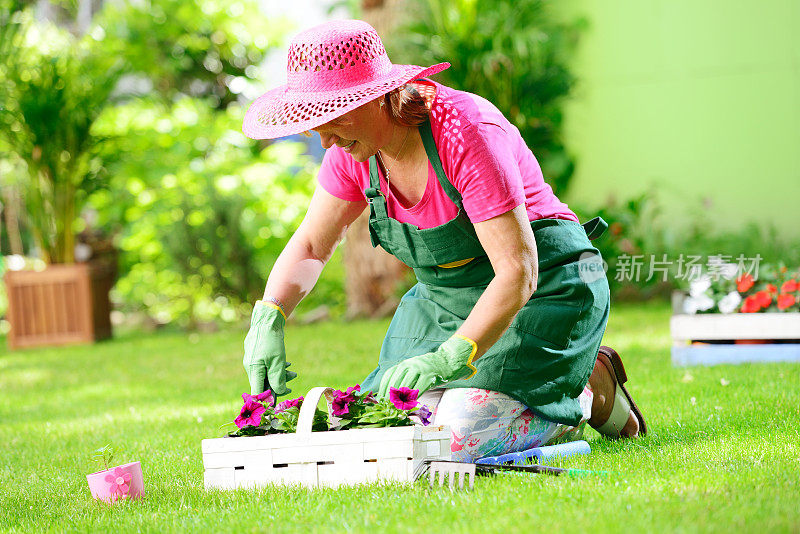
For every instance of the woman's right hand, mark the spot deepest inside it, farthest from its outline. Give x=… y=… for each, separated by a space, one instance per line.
x=264 y=351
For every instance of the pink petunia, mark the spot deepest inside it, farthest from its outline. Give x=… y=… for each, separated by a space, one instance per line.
x=404 y=398
x=251 y=414
x=265 y=397
x=350 y=394
x=340 y=405
x=119 y=482
x=370 y=398
x=285 y=405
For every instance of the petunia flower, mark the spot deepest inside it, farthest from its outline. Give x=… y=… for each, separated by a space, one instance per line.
x=285 y=405
x=343 y=399
x=251 y=414
x=350 y=394
x=340 y=405
x=265 y=397
x=119 y=482
x=404 y=398
x=424 y=414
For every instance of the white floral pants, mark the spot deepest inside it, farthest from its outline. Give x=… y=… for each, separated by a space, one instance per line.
x=490 y=423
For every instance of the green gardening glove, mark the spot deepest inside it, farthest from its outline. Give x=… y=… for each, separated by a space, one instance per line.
x=264 y=351
x=452 y=360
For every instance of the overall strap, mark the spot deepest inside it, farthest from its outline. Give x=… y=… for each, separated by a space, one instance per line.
x=433 y=156
x=595 y=228
x=375 y=197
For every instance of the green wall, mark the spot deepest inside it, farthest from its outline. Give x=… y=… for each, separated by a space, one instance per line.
x=701 y=98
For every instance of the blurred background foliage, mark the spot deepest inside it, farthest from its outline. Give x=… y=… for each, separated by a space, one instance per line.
x=513 y=53
x=141 y=115
x=53 y=94
x=138 y=111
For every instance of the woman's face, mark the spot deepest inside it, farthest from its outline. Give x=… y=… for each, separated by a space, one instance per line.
x=360 y=132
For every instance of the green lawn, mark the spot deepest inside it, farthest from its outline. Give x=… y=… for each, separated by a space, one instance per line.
x=722 y=454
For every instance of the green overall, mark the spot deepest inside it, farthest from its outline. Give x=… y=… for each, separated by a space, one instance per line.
x=546 y=356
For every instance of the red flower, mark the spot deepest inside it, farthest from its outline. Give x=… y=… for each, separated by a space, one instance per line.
x=789 y=286
x=615 y=228
x=744 y=282
x=750 y=305
x=784 y=301
x=763 y=298
x=772 y=289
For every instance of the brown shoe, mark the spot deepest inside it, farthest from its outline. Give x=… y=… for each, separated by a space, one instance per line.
x=623 y=402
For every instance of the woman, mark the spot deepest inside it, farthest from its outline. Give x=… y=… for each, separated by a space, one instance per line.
x=503 y=329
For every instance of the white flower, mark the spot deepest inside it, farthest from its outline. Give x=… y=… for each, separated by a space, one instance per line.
x=704 y=302
x=730 y=302
x=698 y=287
x=693 y=304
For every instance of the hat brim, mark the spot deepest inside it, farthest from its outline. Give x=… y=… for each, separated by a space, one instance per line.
x=281 y=112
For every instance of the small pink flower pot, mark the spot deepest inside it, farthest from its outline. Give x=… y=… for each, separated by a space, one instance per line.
x=121 y=482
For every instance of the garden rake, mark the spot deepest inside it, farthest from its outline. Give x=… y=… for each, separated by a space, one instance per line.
x=441 y=470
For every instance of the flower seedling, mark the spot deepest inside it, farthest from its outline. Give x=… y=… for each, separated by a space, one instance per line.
x=104 y=455
x=350 y=409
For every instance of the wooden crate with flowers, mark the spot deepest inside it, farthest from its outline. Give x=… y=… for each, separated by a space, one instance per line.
x=360 y=439
x=737 y=317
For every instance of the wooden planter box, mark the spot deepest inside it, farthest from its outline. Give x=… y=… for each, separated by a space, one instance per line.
x=714 y=328
x=323 y=459
x=61 y=305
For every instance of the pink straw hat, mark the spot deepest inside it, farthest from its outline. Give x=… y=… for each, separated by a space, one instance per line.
x=333 y=68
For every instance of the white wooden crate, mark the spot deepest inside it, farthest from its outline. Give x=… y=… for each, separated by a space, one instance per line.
x=329 y=459
x=732 y=327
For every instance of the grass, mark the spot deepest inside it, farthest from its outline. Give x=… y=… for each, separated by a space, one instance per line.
x=722 y=454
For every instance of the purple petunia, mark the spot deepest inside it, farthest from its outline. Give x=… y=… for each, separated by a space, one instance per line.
x=251 y=414
x=424 y=414
x=404 y=398
x=285 y=405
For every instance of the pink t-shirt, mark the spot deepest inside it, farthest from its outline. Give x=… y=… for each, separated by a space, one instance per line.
x=482 y=154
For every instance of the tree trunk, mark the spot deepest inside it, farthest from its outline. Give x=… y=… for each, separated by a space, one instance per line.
x=12 y=201
x=373 y=277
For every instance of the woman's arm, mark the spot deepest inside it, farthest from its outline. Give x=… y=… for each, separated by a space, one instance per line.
x=508 y=241
x=299 y=265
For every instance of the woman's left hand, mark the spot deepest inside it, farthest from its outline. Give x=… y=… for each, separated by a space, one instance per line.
x=452 y=360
